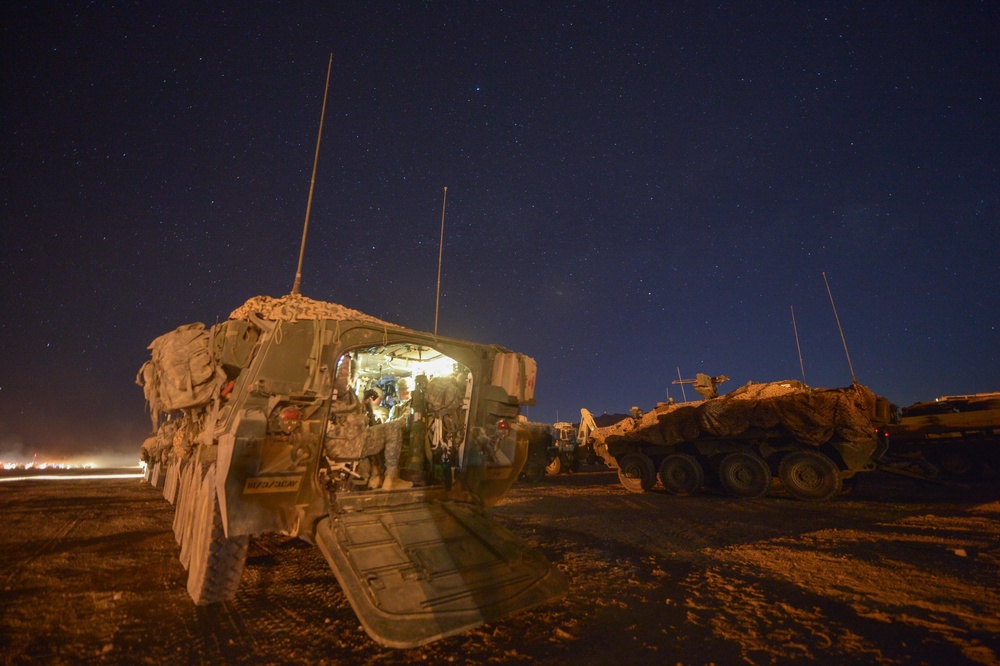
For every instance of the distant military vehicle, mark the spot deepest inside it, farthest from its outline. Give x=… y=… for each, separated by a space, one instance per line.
x=954 y=435
x=272 y=421
x=560 y=447
x=572 y=444
x=541 y=448
x=812 y=439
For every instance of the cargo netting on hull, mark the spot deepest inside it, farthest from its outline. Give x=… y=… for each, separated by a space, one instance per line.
x=811 y=416
x=295 y=306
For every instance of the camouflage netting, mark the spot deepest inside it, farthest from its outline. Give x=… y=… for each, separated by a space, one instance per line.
x=811 y=416
x=295 y=306
x=182 y=373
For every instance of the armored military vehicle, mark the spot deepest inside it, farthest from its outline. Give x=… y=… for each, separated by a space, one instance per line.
x=278 y=420
x=951 y=436
x=814 y=440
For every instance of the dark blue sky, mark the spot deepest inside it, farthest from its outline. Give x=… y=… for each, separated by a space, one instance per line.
x=632 y=188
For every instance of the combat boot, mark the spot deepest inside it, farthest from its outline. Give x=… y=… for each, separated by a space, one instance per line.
x=393 y=482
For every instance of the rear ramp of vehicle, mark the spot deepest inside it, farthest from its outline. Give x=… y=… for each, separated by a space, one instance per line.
x=423 y=571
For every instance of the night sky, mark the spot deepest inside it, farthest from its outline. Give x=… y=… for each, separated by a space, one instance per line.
x=633 y=188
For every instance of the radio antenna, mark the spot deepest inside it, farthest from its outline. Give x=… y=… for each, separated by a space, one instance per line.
x=312 y=183
x=846 y=353
x=797 y=346
x=437 y=300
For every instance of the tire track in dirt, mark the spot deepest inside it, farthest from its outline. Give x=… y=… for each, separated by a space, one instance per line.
x=48 y=545
x=654 y=579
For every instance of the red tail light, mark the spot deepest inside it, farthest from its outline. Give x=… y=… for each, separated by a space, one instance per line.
x=290 y=419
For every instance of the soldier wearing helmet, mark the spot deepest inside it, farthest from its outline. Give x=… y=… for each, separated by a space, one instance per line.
x=401 y=409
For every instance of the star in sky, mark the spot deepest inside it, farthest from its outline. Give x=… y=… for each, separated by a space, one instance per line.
x=633 y=190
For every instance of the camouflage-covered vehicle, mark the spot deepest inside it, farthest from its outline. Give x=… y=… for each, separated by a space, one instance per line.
x=812 y=439
x=951 y=436
x=278 y=420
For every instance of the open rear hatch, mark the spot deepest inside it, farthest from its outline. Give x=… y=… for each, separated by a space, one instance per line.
x=419 y=572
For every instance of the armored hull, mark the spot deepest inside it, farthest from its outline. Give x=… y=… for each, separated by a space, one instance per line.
x=812 y=439
x=279 y=420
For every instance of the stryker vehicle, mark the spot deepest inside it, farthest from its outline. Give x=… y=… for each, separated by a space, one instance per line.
x=277 y=420
x=954 y=435
x=812 y=439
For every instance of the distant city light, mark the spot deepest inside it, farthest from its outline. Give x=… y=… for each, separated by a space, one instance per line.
x=32 y=471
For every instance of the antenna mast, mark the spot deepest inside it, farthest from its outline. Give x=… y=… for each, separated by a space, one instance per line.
x=437 y=300
x=797 y=346
x=846 y=353
x=312 y=183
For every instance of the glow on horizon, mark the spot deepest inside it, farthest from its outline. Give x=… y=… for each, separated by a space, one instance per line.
x=70 y=477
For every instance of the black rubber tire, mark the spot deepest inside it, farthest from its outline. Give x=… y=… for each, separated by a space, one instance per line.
x=574 y=465
x=681 y=474
x=810 y=476
x=745 y=475
x=636 y=472
x=554 y=467
x=216 y=561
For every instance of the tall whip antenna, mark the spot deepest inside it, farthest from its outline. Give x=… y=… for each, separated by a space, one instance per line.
x=797 y=346
x=437 y=300
x=846 y=353
x=312 y=183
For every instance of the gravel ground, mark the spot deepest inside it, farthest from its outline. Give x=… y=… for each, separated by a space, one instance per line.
x=897 y=572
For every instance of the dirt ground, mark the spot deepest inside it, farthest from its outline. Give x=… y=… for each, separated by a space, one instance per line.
x=897 y=572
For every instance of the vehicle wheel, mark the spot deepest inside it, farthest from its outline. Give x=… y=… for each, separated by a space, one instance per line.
x=745 y=475
x=636 y=472
x=216 y=561
x=555 y=466
x=810 y=476
x=681 y=474
x=574 y=465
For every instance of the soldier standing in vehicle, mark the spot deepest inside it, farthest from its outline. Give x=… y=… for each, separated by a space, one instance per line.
x=402 y=407
x=373 y=402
